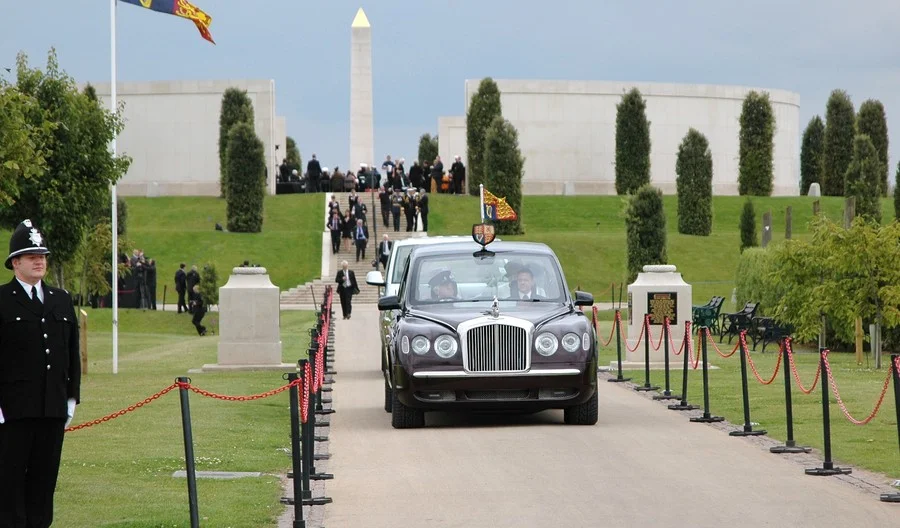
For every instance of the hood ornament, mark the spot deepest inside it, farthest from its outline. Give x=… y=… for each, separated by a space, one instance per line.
x=495 y=308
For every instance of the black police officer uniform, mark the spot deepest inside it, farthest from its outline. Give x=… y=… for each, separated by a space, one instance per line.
x=40 y=370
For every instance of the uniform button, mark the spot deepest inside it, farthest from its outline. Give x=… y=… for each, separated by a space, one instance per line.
x=48 y=367
x=45 y=336
x=48 y=351
x=18 y=318
x=43 y=320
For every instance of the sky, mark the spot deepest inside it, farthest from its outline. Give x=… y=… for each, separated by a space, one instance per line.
x=423 y=51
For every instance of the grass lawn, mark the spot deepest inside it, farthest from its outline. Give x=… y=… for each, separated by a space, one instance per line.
x=872 y=446
x=120 y=473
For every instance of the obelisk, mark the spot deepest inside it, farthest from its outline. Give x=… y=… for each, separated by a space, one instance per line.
x=362 y=128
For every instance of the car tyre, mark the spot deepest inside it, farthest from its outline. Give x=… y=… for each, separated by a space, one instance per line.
x=403 y=417
x=584 y=413
x=388 y=397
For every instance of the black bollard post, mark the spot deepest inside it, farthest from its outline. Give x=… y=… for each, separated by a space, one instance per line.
x=646 y=387
x=667 y=394
x=748 y=427
x=189 y=466
x=618 y=323
x=684 y=405
x=296 y=457
x=314 y=352
x=790 y=446
x=706 y=418
x=894 y=497
x=827 y=468
x=309 y=446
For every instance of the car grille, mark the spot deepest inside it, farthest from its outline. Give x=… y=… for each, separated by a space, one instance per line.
x=497 y=348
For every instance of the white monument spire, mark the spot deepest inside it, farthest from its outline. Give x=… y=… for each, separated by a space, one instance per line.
x=362 y=133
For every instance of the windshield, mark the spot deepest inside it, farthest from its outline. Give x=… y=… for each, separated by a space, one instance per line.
x=400 y=263
x=521 y=277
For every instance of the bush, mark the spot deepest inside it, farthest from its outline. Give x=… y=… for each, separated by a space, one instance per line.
x=863 y=178
x=897 y=193
x=872 y=122
x=292 y=155
x=483 y=108
x=756 y=145
x=209 y=284
x=428 y=149
x=645 y=227
x=503 y=164
x=811 y=154
x=632 y=143
x=840 y=128
x=751 y=281
x=748 y=226
x=246 y=176
x=236 y=108
x=694 y=168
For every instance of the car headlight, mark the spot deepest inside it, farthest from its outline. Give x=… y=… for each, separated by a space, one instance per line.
x=571 y=342
x=586 y=342
x=404 y=345
x=445 y=346
x=546 y=344
x=420 y=345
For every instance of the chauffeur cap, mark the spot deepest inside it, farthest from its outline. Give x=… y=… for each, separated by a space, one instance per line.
x=26 y=239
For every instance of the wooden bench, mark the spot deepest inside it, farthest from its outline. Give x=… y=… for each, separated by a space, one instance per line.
x=732 y=324
x=708 y=314
x=768 y=330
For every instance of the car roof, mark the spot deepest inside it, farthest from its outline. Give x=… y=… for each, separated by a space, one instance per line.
x=428 y=240
x=496 y=247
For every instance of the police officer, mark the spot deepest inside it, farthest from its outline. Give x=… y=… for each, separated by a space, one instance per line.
x=40 y=380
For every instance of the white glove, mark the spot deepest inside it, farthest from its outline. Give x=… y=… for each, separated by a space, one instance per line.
x=2 y=419
x=70 y=412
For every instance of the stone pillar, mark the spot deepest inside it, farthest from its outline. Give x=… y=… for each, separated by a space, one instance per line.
x=661 y=292
x=362 y=129
x=249 y=323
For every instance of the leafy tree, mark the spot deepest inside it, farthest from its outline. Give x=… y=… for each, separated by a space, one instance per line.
x=236 y=108
x=63 y=201
x=483 y=108
x=863 y=178
x=645 y=227
x=748 y=226
x=209 y=284
x=504 y=166
x=756 y=145
x=246 y=176
x=840 y=128
x=22 y=141
x=294 y=161
x=872 y=122
x=897 y=193
x=811 y=154
x=751 y=284
x=428 y=148
x=121 y=214
x=91 y=92
x=694 y=169
x=632 y=143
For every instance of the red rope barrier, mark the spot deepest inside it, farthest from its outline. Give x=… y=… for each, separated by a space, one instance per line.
x=694 y=362
x=716 y=347
x=743 y=342
x=804 y=390
x=650 y=337
x=304 y=398
x=226 y=397
x=638 y=342
x=687 y=332
x=837 y=395
x=121 y=412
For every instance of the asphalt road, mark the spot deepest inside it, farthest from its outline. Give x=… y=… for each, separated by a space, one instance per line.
x=641 y=465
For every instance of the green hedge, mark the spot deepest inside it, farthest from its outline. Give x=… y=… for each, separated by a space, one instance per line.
x=751 y=283
x=645 y=221
x=694 y=169
x=632 y=143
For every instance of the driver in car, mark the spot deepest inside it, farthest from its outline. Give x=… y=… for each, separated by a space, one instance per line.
x=525 y=287
x=443 y=286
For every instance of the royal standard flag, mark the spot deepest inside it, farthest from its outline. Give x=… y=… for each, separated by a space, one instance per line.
x=181 y=8
x=497 y=208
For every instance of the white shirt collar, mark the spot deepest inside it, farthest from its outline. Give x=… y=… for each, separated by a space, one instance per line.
x=27 y=288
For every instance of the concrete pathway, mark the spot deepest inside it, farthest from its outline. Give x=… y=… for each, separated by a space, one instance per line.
x=641 y=465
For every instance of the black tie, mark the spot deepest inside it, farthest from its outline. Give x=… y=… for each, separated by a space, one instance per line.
x=34 y=295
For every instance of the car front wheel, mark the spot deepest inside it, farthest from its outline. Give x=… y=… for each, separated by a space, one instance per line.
x=388 y=398
x=582 y=414
x=403 y=417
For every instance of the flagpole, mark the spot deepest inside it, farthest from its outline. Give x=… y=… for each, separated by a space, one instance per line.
x=114 y=277
x=481 y=197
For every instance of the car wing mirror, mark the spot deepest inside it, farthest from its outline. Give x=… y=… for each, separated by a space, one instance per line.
x=389 y=302
x=583 y=299
x=374 y=278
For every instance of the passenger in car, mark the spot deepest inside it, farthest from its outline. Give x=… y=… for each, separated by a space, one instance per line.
x=525 y=287
x=443 y=286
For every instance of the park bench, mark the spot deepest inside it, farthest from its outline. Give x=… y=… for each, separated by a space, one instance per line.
x=708 y=314
x=733 y=324
x=768 y=330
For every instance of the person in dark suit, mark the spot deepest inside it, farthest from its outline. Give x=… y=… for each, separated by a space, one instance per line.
x=423 y=208
x=458 y=170
x=384 y=251
x=40 y=381
x=192 y=279
x=384 y=197
x=361 y=237
x=334 y=225
x=525 y=289
x=313 y=175
x=198 y=308
x=395 y=208
x=181 y=287
x=347 y=288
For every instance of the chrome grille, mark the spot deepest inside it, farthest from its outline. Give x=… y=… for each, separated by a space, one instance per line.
x=497 y=348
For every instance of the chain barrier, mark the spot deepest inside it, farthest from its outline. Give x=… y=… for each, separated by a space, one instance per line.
x=742 y=341
x=638 y=342
x=226 y=397
x=304 y=398
x=709 y=339
x=650 y=337
x=597 y=330
x=837 y=395
x=694 y=362
x=804 y=390
x=687 y=332
x=124 y=411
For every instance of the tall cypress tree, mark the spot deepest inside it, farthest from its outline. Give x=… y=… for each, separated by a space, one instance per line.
x=632 y=143
x=503 y=163
x=748 y=226
x=694 y=170
x=756 y=145
x=428 y=149
x=840 y=128
x=897 y=193
x=483 y=108
x=645 y=228
x=863 y=178
x=236 y=108
x=872 y=122
x=246 y=177
x=811 y=154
